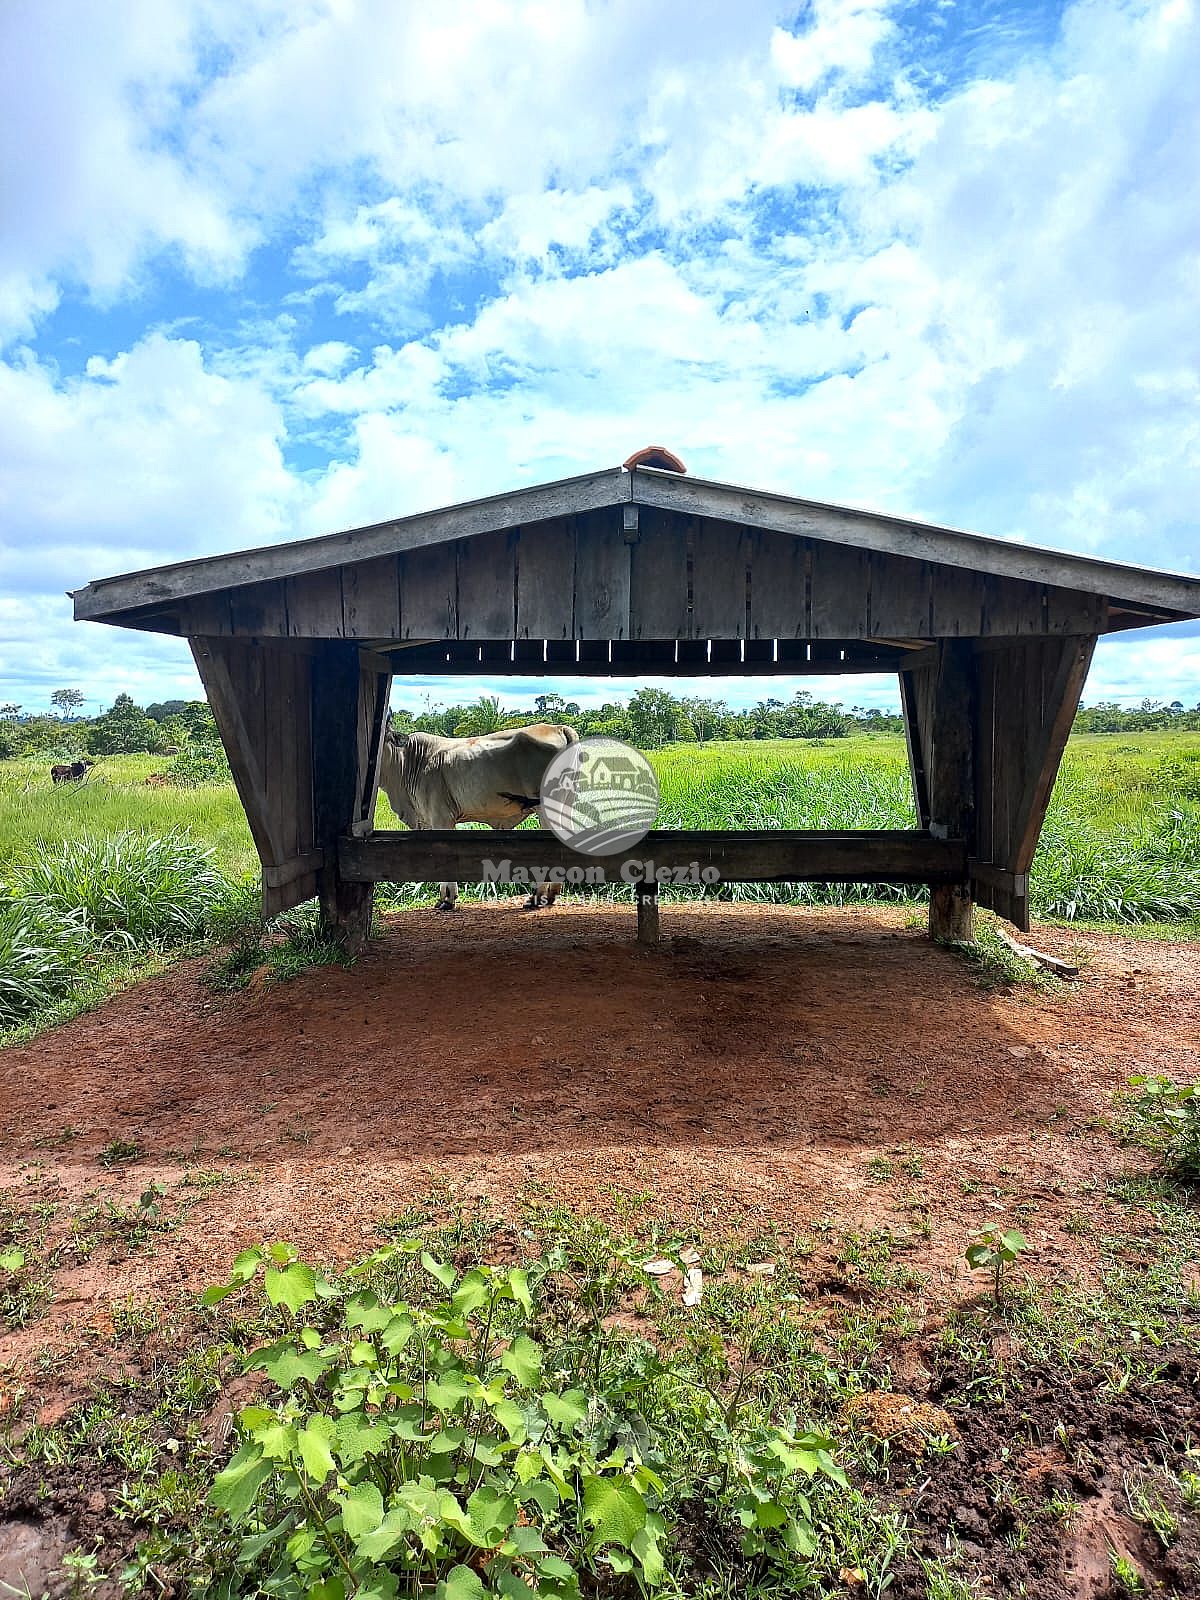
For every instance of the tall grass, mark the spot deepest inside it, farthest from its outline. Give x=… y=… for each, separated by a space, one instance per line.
x=128 y=888
x=40 y=955
x=1121 y=842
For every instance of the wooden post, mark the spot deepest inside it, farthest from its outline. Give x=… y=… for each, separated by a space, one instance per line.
x=647 y=913
x=345 y=907
x=950 y=774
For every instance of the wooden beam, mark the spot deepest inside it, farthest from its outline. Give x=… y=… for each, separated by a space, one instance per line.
x=949 y=740
x=345 y=905
x=647 y=913
x=564 y=498
x=667 y=658
x=871 y=530
x=753 y=856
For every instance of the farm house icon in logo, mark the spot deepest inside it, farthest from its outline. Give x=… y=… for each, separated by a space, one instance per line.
x=599 y=796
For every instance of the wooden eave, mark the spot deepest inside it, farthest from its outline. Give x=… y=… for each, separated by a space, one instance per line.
x=1138 y=596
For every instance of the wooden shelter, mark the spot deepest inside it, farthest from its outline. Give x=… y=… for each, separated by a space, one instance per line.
x=643 y=571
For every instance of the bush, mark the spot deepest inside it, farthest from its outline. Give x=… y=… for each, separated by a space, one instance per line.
x=40 y=950
x=199 y=763
x=431 y=1444
x=1165 y=1117
x=129 y=888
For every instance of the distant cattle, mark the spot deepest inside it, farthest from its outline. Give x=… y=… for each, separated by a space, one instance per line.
x=70 y=771
x=435 y=782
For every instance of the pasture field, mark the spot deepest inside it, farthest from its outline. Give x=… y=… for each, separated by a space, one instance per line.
x=1121 y=842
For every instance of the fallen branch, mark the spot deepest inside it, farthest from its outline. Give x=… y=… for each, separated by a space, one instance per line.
x=1054 y=964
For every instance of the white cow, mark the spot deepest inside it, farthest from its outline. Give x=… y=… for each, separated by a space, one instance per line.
x=436 y=782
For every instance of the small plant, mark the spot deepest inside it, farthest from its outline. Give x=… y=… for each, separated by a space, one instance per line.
x=995 y=1250
x=430 y=1444
x=1126 y=1573
x=1165 y=1117
x=119 y=1151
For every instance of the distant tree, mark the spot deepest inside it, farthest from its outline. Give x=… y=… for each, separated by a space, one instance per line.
x=123 y=729
x=67 y=700
x=653 y=715
x=707 y=717
x=487 y=715
x=9 y=710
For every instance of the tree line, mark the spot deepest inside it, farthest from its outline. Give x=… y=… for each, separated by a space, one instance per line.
x=649 y=719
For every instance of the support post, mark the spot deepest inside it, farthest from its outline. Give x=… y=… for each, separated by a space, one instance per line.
x=345 y=907
x=950 y=771
x=647 y=913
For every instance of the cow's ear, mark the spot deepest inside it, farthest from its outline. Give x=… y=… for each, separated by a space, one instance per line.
x=400 y=740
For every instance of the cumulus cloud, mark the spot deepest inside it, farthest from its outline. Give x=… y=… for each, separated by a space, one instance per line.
x=410 y=255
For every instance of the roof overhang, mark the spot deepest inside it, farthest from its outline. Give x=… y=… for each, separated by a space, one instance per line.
x=1162 y=596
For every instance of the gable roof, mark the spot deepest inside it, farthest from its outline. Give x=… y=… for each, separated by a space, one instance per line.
x=1166 y=596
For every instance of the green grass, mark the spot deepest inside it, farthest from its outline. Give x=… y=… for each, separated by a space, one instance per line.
x=1121 y=845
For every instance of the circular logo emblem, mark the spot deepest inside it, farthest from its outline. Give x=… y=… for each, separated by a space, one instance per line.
x=599 y=796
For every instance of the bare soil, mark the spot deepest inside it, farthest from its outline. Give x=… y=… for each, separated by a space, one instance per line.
x=754 y=1072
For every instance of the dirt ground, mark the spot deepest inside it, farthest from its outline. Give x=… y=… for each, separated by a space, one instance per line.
x=744 y=1072
x=756 y=1071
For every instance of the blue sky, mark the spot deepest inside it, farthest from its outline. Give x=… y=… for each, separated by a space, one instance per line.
x=274 y=269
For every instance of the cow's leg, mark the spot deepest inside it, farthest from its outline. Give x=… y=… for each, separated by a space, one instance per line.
x=447 y=897
x=551 y=890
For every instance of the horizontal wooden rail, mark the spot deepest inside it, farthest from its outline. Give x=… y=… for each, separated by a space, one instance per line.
x=765 y=855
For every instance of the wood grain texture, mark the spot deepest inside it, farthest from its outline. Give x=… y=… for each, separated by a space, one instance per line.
x=602 y=565
x=429 y=593
x=761 y=856
x=658 y=584
x=546 y=581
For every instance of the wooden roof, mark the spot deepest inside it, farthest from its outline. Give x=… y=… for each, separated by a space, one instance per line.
x=1138 y=595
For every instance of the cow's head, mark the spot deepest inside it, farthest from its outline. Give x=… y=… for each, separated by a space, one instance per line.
x=396 y=780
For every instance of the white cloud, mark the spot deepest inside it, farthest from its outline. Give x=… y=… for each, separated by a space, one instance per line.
x=148 y=457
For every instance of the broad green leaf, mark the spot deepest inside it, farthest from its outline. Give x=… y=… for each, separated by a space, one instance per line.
x=234 y=1489
x=294 y=1286
x=447 y=1392
x=543 y=1494
x=290 y=1365
x=245 y=1264
x=253 y=1546
x=454 y=1516
x=379 y=1586
x=979 y=1255
x=492 y=1512
x=276 y=1440
x=647 y=1547
x=518 y=1282
x=523 y=1359
x=314 y=1442
x=614 y=1509
x=281 y=1253
x=511 y=1418
x=567 y=1410
x=364 y=1311
x=397 y=1333
x=362 y=1510
x=471 y=1293
x=395 y=1529
x=1013 y=1241
x=555 y=1567
x=212 y=1296
x=460 y=1583
x=770 y=1514
x=444 y=1274
x=358 y=1436
x=332 y=1588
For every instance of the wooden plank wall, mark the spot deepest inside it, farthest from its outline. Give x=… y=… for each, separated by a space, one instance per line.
x=1026 y=698
x=637 y=573
x=261 y=699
